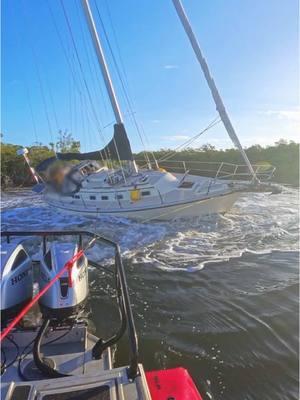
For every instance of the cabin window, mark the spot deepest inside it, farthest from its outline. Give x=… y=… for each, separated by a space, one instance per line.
x=146 y=193
x=119 y=196
x=76 y=196
x=104 y=197
x=92 y=197
x=21 y=257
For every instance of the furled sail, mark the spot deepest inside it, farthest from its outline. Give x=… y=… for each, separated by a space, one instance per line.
x=117 y=149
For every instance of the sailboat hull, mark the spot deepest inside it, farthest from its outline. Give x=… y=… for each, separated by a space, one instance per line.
x=197 y=208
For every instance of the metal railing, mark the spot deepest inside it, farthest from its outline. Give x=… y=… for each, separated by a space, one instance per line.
x=216 y=170
x=121 y=288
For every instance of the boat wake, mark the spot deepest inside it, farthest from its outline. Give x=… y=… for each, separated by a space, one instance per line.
x=235 y=320
x=258 y=224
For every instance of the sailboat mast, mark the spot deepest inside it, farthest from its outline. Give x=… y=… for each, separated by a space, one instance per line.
x=102 y=61
x=214 y=91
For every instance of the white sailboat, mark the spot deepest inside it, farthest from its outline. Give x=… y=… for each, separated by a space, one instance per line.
x=150 y=192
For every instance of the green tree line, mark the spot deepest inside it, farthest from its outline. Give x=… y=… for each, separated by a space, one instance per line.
x=284 y=155
x=14 y=171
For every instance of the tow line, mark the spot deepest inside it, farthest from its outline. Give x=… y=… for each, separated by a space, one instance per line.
x=67 y=267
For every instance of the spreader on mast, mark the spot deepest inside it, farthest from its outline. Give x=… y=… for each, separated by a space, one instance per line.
x=214 y=91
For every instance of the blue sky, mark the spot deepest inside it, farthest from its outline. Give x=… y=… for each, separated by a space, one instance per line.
x=251 y=48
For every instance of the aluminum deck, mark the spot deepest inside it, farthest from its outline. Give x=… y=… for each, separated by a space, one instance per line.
x=89 y=378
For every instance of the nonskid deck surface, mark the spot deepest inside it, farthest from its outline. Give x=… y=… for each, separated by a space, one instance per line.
x=89 y=378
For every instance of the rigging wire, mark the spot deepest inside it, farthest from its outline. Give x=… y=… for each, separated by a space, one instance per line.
x=122 y=83
x=80 y=63
x=88 y=124
x=81 y=69
x=91 y=60
x=169 y=155
x=53 y=107
x=62 y=46
x=116 y=42
x=75 y=113
x=131 y=113
x=78 y=82
x=116 y=148
x=70 y=98
x=93 y=74
x=125 y=75
x=83 y=123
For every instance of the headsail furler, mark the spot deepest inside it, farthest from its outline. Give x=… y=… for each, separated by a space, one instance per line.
x=211 y=83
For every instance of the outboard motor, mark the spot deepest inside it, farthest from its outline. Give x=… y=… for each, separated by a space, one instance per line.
x=16 y=280
x=61 y=301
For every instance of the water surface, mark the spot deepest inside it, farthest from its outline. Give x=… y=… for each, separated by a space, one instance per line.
x=218 y=295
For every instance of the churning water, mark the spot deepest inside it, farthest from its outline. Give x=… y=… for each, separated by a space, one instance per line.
x=218 y=296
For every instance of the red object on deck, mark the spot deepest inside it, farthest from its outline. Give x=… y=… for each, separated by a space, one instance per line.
x=172 y=384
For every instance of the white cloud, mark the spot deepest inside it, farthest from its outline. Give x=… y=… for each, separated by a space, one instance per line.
x=155 y=121
x=291 y=115
x=171 y=66
x=176 y=138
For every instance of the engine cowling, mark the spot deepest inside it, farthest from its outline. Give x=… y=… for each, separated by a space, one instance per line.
x=16 y=280
x=62 y=301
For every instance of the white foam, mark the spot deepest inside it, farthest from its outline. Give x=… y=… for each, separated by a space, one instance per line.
x=257 y=224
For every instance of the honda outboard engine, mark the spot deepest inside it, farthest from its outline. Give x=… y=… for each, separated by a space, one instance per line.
x=16 y=280
x=61 y=301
